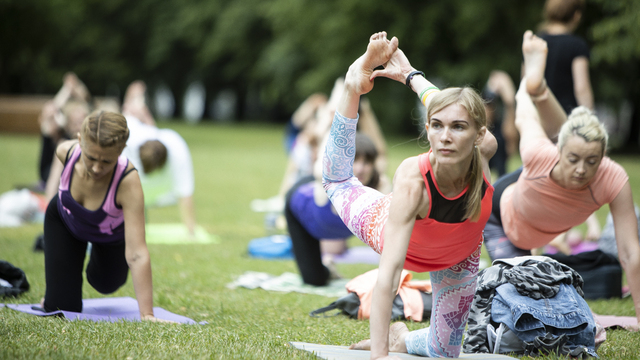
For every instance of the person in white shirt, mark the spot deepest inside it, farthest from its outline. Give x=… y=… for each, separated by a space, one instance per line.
x=161 y=156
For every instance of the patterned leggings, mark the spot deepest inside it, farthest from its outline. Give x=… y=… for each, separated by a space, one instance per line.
x=365 y=211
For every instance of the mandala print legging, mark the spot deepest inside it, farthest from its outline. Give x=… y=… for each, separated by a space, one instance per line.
x=365 y=211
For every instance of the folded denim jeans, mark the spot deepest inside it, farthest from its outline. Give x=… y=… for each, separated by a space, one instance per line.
x=566 y=313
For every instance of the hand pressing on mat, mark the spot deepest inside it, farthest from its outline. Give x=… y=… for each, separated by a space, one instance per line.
x=155 y=319
x=397 y=333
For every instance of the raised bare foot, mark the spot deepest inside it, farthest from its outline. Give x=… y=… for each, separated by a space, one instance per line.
x=535 y=51
x=379 y=51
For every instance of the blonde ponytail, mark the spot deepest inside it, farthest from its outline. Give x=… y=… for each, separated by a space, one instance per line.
x=474 y=193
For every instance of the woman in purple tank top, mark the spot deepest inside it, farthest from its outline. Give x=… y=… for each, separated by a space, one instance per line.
x=99 y=192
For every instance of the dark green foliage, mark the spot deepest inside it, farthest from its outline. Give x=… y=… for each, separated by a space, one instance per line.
x=281 y=51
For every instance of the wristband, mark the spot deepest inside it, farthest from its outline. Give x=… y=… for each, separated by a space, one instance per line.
x=426 y=93
x=411 y=75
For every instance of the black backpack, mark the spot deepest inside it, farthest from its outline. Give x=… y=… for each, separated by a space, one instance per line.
x=15 y=277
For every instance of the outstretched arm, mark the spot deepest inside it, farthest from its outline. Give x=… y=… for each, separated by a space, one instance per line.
x=408 y=195
x=369 y=125
x=527 y=118
x=188 y=214
x=500 y=83
x=135 y=103
x=626 y=230
x=581 y=82
x=307 y=110
x=57 y=165
x=131 y=200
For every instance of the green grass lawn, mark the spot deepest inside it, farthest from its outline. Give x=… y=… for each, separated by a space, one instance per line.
x=233 y=165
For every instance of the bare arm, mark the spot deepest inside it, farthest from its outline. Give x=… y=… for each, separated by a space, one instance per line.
x=131 y=199
x=581 y=82
x=500 y=82
x=408 y=198
x=53 y=181
x=307 y=110
x=488 y=148
x=57 y=165
x=527 y=118
x=626 y=229
x=188 y=213
x=593 y=228
x=289 y=176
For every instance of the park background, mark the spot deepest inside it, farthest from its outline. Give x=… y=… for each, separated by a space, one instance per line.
x=267 y=56
x=271 y=54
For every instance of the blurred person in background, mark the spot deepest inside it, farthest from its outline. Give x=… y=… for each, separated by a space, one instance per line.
x=161 y=156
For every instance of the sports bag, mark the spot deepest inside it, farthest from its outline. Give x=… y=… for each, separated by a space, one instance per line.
x=413 y=301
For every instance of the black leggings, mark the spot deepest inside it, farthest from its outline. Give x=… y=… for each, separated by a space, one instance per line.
x=306 y=248
x=499 y=186
x=64 y=256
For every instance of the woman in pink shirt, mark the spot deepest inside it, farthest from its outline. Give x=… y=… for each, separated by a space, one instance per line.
x=559 y=185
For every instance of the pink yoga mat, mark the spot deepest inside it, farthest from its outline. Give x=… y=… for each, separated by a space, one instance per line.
x=608 y=321
x=104 y=309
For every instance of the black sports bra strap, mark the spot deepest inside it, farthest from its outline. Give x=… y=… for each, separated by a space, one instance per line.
x=128 y=171
x=69 y=153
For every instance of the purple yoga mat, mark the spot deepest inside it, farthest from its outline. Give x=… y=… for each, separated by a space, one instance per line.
x=358 y=255
x=104 y=309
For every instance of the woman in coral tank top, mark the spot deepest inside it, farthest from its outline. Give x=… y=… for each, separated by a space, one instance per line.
x=434 y=219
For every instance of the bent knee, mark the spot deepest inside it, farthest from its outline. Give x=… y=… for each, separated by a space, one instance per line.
x=106 y=286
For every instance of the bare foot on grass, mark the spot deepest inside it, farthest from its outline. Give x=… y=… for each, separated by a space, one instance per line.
x=397 y=332
x=535 y=51
x=379 y=51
